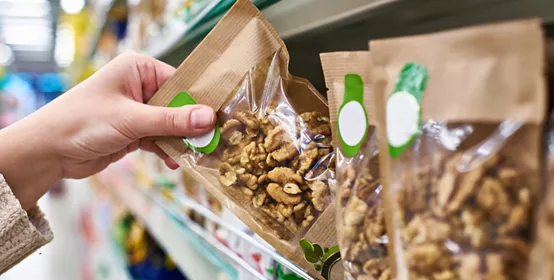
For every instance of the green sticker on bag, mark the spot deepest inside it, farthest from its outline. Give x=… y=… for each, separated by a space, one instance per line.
x=404 y=108
x=206 y=143
x=352 y=118
x=323 y=259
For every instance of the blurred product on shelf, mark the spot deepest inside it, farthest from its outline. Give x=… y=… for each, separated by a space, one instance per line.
x=148 y=26
x=361 y=227
x=167 y=21
x=17 y=98
x=462 y=150
x=145 y=258
x=543 y=253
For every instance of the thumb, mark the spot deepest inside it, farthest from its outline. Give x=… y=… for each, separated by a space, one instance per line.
x=186 y=121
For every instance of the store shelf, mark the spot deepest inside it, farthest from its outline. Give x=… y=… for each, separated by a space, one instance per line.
x=103 y=19
x=311 y=27
x=194 y=256
x=109 y=259
x=193 y=36
x=175 y=231
x=193 y=205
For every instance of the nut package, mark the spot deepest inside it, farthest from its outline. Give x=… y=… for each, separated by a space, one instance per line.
x=543 y=252
x=361 y=227
x=462 y=116
x=270 y=159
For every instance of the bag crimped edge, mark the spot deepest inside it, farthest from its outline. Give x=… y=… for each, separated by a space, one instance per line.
x=487 y=94
x=241 y=40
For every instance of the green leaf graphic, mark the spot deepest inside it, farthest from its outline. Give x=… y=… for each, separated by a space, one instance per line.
x=306 y=245
x=318 y=251
x=330 y=252
x=311 y=257
x=318 y=267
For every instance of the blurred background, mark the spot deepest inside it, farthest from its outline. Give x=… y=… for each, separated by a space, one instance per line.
x=138 y=220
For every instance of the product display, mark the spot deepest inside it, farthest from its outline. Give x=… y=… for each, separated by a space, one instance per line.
x=426 y=163
x=461 y=152
x=146 y=260
x=361 y=228
x=270 y=159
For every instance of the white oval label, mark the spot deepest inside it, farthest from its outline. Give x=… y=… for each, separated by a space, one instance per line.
x=203 y=140
x=402 y=118
x=352 y=123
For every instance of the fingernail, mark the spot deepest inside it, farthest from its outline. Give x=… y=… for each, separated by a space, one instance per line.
x=202 y=117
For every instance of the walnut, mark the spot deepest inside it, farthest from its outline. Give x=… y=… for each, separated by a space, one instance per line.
x=229 y=176
x=234 y=138
x=266 y=125
x=285 y=152
x=276 y=192
x=424 y=256
x=308 y=158
x=300 y=206
x=259 y=199
x=470 y=266
x=307 y=222
x=309 y=211
x=320 y=195
x=374 y=266
x=291 y=225
x=263 y=179
x=270 y=161
x=274 y=139
x=229 y=126
x=292 y=188
x=355 y=212
x=315 y=124
x=493 y=197
x=249 y=180
x=284 y=175
x=250 y=121
x=247 y=192
x=285 y=209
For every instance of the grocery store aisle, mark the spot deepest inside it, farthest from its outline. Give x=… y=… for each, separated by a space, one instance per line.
x=57 y=260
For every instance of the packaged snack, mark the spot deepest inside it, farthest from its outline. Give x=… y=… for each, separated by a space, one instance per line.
x=461 y=152
x=361 y=227
x=270 y=159
x=543 y=252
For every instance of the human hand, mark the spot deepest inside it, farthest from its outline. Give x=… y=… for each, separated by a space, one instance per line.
x=93 y=125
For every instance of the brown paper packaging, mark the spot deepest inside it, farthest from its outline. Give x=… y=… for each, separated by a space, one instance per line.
x=457 y=211
x=242 y=64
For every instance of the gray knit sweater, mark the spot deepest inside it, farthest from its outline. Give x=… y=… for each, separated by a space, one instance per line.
x=21 y=232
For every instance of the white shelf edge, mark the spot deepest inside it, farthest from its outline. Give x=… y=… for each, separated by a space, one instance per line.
x=211 y=240
x=219 y=221
x=294 y=17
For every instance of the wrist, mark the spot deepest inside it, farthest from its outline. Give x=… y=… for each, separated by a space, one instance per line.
x=28 y=161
